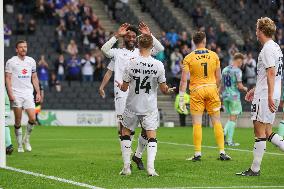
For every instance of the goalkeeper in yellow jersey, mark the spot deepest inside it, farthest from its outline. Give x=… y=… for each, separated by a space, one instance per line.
x=205 y=76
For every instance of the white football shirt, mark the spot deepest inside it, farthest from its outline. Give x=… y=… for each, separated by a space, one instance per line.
x=270 y=56
x=118 y=65
x=21 y=71
x=144 y=74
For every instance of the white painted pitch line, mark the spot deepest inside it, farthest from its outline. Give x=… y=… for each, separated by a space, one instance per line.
x=216 y=187
x=52 y=178
x=214 y=147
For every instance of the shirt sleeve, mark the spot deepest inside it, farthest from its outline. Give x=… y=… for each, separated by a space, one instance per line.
x=268 y=58
x=157 y=46
x=111 y=65
x=162 y=75
x=8 y=67
x=185 y=63
x=107 y=49
x=33 y=66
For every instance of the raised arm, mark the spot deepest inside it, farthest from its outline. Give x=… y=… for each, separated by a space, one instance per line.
x=157 y=46
x=106 y=48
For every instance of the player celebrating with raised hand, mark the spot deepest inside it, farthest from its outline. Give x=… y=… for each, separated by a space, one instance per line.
x=120 y=57
x=20 y=78
x=205 y=76
x=265 y=96
x=231 y=86
x=143 y=76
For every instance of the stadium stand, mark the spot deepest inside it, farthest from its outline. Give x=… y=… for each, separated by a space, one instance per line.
x=51 y=29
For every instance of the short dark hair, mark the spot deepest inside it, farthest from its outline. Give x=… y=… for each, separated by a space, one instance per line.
x=133 y=29
x=19 y=42
x=145 y=41
x=238 y=56
x=198 y=37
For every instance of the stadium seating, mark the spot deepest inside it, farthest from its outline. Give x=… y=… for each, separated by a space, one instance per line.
x=81 y=96
x=163 y=16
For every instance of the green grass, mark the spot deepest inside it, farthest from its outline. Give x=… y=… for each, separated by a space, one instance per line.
x=92 y=156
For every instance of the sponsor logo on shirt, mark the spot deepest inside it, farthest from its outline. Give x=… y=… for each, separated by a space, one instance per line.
x=24 y=76
x=24 y=71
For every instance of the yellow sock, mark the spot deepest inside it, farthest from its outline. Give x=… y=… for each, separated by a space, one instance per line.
x=197 y=137
x=219 y=136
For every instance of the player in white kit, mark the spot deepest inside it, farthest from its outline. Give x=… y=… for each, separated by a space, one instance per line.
x=265 y=96
x=20 y=77
x=143 y=76
x=120 y=57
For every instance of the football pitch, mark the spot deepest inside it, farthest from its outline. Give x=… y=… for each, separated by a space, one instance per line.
x=77 y=157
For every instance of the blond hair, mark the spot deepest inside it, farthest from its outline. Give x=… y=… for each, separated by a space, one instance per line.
x=145 y=41
x=266 y=26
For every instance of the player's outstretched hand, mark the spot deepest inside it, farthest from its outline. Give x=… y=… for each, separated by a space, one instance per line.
x=144 y=29
x=38 y=97
x=122 y=30
x=271 y=105
x=102 y=92
x=249 y=95
x=118 y=84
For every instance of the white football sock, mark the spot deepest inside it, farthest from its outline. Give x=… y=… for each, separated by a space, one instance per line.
x=142 y=144
x=29 y=130
x=258 y=152
x=19 y=136
x=277 y=140
x=126 y=149
x=151 y=153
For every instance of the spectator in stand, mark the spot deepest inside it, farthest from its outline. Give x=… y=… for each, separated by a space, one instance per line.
x=42 y=71
x=198 y=16
x=60 y=30
x=20 y=25
x=280 y=39
x=184 y=40
x=172 y=37
x=54 y=83
x=185 y=50
x=40 y=8
x=176 y=60
x=31 y=26
x=61 y=48
x=100 y=68
x=232 y=50
x=74 y=68
x=221 y=58
x=88 y=64
x=249 y=68
x=50 y=12
x=72 y=48
x=222 y=37
x=210 y=35
x=7 y=35
x=86 y=30
x=60 y=65
x=95 y=22
x=93 y=39
x=101 y=37
x=71 y=23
